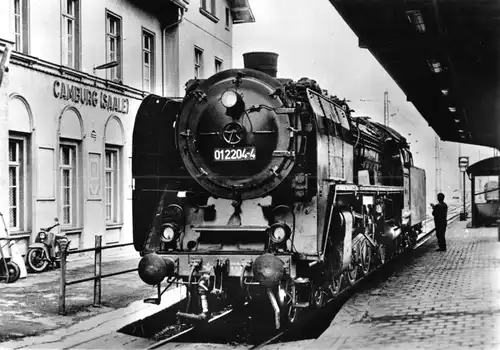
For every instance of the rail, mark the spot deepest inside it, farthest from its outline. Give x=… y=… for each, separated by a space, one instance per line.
x=97 y=277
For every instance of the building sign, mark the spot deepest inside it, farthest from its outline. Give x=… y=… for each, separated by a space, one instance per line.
x=90 y=97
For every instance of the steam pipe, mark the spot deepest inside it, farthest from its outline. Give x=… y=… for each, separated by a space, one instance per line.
x=275 y=306
x=202 y=291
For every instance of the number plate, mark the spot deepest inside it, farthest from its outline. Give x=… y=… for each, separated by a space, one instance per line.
x=234 y=154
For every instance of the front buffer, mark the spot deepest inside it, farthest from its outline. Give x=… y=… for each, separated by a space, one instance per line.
x=221 y=275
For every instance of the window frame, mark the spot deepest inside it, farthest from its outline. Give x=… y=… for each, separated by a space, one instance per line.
x=210 y=13
x=198 y=64
x=66 y=17
x=116 y=189
x=152 y=66
x=116 y=71
x=23 y=18
x=227 y=20
x=74 y=184
x=220 y=62
x=22 y=182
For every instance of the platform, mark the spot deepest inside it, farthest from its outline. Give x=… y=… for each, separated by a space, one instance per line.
x=441 y=300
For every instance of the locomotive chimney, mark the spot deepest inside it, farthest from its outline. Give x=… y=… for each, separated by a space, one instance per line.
x=266 y=62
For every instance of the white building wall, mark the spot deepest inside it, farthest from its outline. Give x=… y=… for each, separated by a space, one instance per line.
x=32 y=78
x=133 y=20
x=45 y=23
x=198 y=30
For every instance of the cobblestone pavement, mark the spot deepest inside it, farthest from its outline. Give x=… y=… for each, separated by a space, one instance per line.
x=440 y=300
x=29 y=307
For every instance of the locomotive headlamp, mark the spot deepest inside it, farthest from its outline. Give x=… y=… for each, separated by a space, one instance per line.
x=168 y=233
x=229 y=98
x=279 y=233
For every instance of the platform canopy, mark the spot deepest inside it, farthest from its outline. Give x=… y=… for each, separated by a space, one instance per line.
x=444 y=54
x=485 y=167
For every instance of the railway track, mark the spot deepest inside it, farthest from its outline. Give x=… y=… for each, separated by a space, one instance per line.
x=183 y=331
x=187 y=330
x=220 y=316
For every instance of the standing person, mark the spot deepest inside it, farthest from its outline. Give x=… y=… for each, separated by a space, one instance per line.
x=440 y=213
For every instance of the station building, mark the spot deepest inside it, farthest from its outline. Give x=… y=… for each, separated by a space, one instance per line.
x=77 y=73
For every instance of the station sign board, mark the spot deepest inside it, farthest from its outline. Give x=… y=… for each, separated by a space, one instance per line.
x=463 y=163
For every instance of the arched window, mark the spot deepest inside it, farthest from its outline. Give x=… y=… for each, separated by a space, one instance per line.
x=20 y=128
x=70 y=170
x=113 y=173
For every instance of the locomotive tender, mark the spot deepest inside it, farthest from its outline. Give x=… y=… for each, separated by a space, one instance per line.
x=254 y=185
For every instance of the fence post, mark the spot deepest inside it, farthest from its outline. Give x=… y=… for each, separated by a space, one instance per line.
x=62 y=287
x=97 y=270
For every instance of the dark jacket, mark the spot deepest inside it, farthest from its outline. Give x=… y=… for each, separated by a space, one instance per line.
x=440 y=212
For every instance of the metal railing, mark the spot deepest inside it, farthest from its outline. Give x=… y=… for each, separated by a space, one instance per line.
x=97 y=277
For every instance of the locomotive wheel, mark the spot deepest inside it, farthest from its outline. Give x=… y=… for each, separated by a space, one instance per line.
x=333 y=264
x=289 y=313
x=352 y=274
x=400 y=244
x=318 y=297
x=292 y=314
x=366 y=257
x=382 y=253
x=336 y=285
x=412 y=239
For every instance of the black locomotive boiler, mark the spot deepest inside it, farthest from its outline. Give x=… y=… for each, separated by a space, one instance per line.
x=252 y=185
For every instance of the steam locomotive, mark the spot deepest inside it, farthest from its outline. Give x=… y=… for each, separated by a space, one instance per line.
x=253 y=185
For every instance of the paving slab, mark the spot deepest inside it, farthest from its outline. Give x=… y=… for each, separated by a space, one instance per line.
x=100 y=331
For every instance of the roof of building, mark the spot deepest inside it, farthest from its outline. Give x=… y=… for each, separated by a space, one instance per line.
x=443 y=54
x=241 y=11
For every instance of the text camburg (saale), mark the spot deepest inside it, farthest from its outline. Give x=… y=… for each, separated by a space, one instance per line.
x=90 y=97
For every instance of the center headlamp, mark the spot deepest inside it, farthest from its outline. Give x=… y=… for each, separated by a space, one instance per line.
x=229 y=98
x=279 y=233
x=169 y=233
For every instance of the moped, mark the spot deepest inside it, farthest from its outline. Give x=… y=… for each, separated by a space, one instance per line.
x=46 y=249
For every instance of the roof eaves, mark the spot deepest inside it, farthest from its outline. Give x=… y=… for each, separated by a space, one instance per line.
x=241 y=12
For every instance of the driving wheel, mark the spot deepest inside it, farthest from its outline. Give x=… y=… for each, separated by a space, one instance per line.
x=336 y=285
x=382 y=253
x=366 y=257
